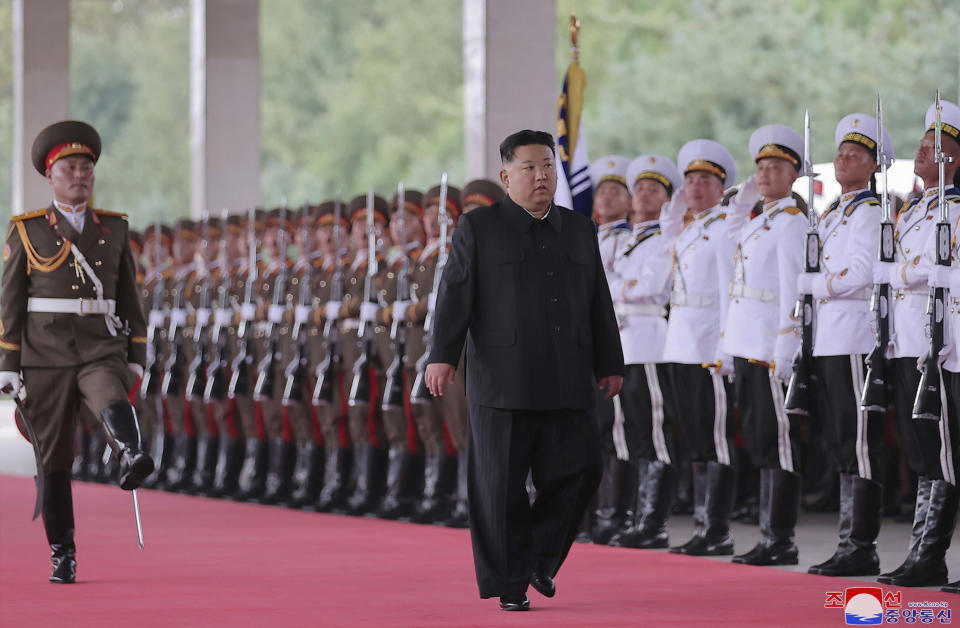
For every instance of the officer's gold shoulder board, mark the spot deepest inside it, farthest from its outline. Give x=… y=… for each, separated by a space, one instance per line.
x=104 y=212
x=35 y=213
x=793 y=210
x=715 y=218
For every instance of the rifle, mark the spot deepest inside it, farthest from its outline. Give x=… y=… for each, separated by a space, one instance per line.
x=196 y=380
x=216 y=374
x=266 y=377
x=296 y=370
x=419 y=393
x=394 y=390
x=327 y=370
x=874 y=397
x=153 y=374
x=240 y=376
x=360 y=386
x=927 y=404
x=797 y=400
x=173 y=369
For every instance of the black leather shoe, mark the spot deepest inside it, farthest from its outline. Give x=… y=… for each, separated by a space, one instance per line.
x=953 y=587
x=514 y=603
x=766 y=554
x=64 y=565
x=544 y=584
x=135 y=467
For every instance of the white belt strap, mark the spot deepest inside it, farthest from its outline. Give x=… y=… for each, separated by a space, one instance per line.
x=908 y=291
x=639 y=309
x=690 y=300
x=752 y=292
x=110 y=318
x=72 y=306
x=864 y=294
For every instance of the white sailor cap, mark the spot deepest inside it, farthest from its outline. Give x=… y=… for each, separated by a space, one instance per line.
x=609 y=168
x=657 y=167
x=861 y=129
x=708 y=156
x=949 y=119
x=778 y=141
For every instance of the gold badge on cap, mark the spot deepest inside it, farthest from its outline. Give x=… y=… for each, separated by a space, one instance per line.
x=856 y=122
x=611 y=164
x=652 y=160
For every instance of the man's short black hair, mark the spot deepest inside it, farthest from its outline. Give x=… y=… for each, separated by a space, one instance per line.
x=525 y=137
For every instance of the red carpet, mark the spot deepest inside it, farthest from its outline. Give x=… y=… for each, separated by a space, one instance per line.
x=216 y=563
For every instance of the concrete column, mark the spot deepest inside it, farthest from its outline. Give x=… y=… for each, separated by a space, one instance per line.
x=509 y=76
x=224 y=105
x=41 y=89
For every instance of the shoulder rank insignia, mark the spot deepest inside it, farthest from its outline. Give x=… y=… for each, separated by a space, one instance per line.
x=104 y=212
x=35 y=213
x=714 y=219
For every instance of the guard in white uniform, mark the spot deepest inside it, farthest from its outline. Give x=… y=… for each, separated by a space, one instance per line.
x=702 y=262
x=616 y=495
x=641 y=293
x=761 y=333
x=844 y=328
x=928 y=444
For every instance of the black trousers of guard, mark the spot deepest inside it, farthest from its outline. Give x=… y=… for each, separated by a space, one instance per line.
x=512 y=538
x=704 y=410
x=647 y=425
x=853 y=436
x=769 y=433
x=923 y=439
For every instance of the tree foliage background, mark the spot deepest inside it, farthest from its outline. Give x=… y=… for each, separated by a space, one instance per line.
x=370 y=92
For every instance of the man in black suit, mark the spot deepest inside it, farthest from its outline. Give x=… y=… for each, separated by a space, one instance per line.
x=525 y=287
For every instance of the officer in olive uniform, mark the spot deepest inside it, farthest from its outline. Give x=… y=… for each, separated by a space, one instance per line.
x=365 y=419
x=69 y=299
x=480 y=193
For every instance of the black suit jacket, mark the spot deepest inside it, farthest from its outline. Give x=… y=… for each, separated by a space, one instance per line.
x=531 y=300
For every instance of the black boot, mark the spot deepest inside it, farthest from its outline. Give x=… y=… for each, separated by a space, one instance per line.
x=609 y=514
x=716 y=539
x=229 y=466
x=81 y=453
x=254 y=473
x=208 y=452
x=394 y=504
x=180 y=477
x=928 y=567
x=916 y=533
x=860 y=506
x=95 y=448
x=430 y=508
x=779 y=507
x=699 y=484
x=283 y=459
x=161 y=451
x=655 y=497
x=460 y=517
x=365 y=497
x=336 y=474
x=57 y=510
x=123 y=432
x=953 y=587
x=309 y=476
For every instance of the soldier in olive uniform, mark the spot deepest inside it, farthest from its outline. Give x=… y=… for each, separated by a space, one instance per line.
x=69 y=296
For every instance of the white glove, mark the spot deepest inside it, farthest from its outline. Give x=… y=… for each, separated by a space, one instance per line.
x=944 y=353
x=301 y=314
x=136 y=368
x=333 y=309
x=805 y=282
x=723 y=364
x=883 y=272
x=156 y=318
x=783 y=368
x=400 y=310
x=368 y=312
x=223 y=317
x=748 y=194
x=178 y=317
x=203 y=317
x=677 y=205
x=275 y=314
x=939 y=276
x=248 y=311
x=10 y=383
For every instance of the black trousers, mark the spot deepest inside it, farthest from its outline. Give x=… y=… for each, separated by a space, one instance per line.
x=926 y=443
x=949 y=455
x=853 y=436
x=511 y=538
x=704 y=409
x=647 y=424
x=769 y=434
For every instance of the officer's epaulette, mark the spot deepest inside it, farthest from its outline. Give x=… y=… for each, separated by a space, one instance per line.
x=793 y=210
x=711 y=220
x=34 y=214
x=104 y=212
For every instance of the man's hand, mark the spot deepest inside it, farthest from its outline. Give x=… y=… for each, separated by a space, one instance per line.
x=438 y=375
x=612 y=385
x=9 y=383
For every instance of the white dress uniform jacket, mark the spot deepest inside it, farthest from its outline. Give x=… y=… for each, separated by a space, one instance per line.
x=611 y=237
x=849 y=239
x=702 y=262
x=641 y=292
